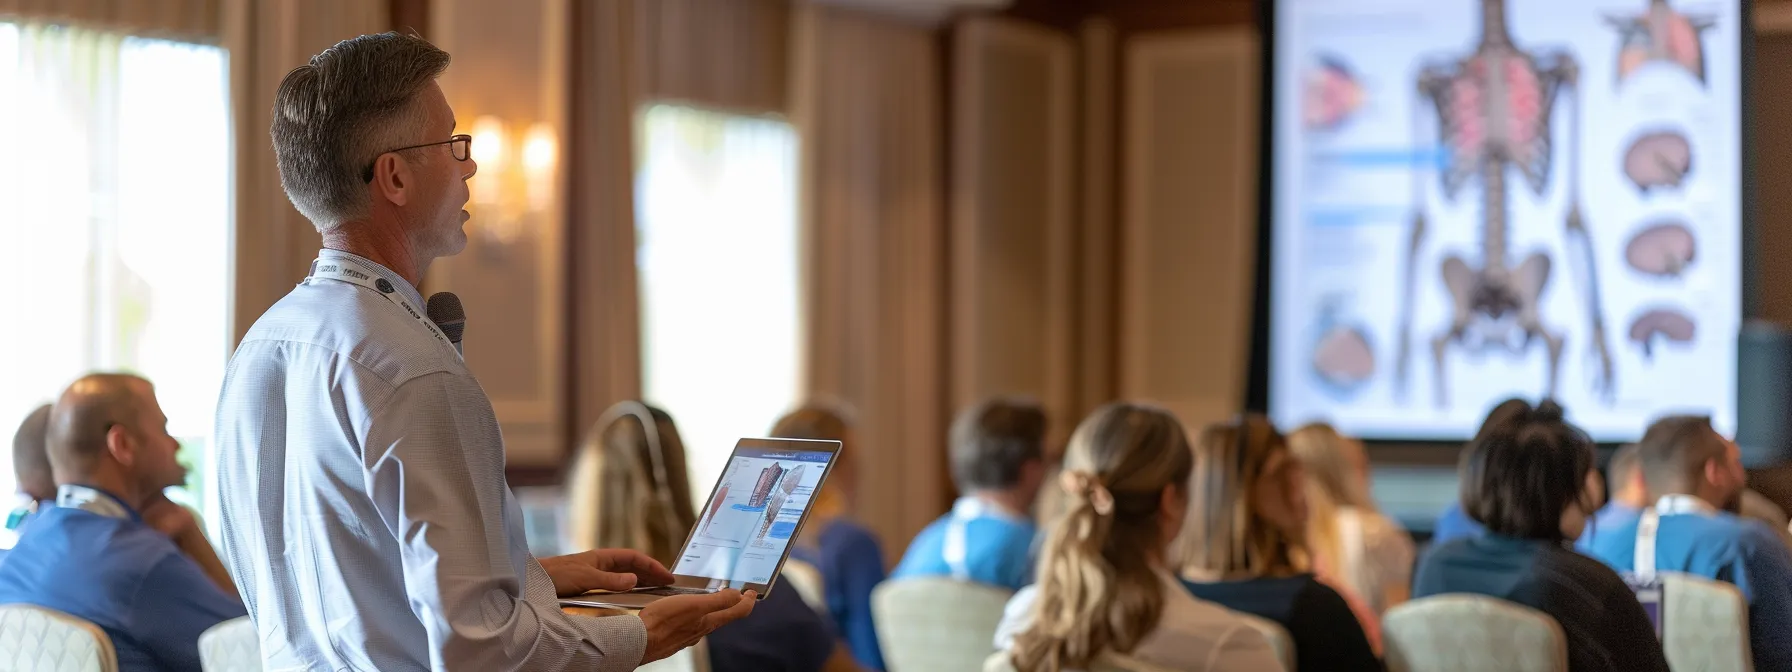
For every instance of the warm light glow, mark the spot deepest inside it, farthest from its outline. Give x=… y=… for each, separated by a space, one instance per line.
x=540 y=151
x=488 y=143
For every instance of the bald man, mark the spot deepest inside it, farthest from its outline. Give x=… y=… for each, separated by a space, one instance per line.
x=31 y=464
x=94 y=555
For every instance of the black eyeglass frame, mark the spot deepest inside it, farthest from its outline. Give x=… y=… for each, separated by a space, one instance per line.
x=461 y=141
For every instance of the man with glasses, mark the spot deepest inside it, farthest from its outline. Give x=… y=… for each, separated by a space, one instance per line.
x=361 y=471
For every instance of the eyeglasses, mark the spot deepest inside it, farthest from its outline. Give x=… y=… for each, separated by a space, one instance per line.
x=460 y=145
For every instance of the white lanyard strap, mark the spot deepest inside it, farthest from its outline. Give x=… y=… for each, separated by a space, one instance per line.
x=1650 y=522
x=337 y=268
x=956 y=547
x=90 y=500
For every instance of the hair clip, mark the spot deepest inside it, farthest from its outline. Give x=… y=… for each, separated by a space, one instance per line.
x=1079 y=482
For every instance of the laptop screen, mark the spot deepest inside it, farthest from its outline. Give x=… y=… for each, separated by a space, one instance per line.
x=744 y=530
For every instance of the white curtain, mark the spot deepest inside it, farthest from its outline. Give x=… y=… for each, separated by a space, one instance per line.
x=114 y=209
x=717 y=234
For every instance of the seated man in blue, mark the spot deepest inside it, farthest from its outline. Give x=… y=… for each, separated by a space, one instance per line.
x=1628 y=495
x=1698 y=475
x=92 y=555
x=997 y=455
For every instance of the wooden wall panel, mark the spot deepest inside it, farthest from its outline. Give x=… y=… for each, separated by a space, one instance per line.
x=1012 y=211
x=1188 y=219
x=510 y=60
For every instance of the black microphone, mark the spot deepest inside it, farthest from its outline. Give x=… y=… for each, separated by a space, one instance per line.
x=445 y=310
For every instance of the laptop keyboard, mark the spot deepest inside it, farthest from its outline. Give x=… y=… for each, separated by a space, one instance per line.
x=669 y=591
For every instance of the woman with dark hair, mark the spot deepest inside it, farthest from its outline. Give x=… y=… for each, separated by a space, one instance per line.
x=1453 y=524
x=1531 y=482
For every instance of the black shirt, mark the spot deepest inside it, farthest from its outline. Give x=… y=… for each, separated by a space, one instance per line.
x=1606 y=626
x=1325 y=631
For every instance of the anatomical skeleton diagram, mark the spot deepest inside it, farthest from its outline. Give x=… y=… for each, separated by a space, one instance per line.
x=1493 y=109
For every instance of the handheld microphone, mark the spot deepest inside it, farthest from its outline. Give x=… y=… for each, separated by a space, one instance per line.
x=445 y=310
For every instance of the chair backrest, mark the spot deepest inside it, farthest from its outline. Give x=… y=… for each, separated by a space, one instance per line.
x=1109 y=662
x=1279 y=639
x=231 y=646
x=807 y=581
x=1704 y=625
x=936 y=623
x=692 y=659
x=1472 y=633
x=35 y=639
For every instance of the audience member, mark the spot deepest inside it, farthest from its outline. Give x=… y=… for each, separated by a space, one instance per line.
x=629 y=489
x=1105 y=590
x=1367 y=553
x=1624 y=485
x=846 y=553
x=1531 y=483
x=1243 y=546
x=31 y=465
x=93 y=555
x=1696 y=476
x=997 y=456
x=1453 y=523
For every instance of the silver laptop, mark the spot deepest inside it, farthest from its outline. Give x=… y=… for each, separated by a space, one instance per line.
x=744 y=531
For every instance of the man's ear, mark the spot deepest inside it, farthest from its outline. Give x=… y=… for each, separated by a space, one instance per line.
x=1716 y=472
x=392 y=178
x=120 y=445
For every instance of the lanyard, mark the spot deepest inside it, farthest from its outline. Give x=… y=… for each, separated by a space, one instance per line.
x=1650 y=522
x=345 y=270
x=956 y=546
x=93 y=501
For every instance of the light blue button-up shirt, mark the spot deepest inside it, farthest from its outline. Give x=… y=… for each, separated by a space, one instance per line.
x=365 y=514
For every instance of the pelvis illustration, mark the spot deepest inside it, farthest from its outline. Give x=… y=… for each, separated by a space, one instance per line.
x=1493 y=108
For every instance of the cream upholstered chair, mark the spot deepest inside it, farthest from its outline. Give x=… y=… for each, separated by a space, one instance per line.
x=1108 y=662
x=231 y=646
x=936 y=623
x=1472 y=633
x=806 y=579
x=691 y=659
x=35 y=639
x=1704 y=625
x=1279 y=639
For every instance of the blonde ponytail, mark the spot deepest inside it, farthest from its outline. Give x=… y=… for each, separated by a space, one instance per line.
x=1098 y=590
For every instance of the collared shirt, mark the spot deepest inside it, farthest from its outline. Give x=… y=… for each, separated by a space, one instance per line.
x=366 y=518
x=93 y=557
x=975 y=542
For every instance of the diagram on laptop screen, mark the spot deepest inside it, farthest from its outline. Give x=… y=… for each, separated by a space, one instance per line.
x=752 y=515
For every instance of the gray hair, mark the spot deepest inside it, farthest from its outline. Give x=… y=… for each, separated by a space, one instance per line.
x=337 y=113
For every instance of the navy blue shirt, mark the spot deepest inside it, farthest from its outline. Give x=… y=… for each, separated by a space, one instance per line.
x=782 y=634
x=123 y=576
x=1606 y=627
x=1325 y=631
x=851 y=564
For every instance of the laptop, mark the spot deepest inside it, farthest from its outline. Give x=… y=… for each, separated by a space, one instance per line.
x=744 y=531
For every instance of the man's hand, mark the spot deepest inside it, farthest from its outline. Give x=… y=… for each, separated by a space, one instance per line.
x=169 y=518
x=604 y=569
x=678 y=622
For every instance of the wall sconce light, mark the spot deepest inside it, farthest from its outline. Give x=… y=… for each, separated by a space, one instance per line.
x=515 y=185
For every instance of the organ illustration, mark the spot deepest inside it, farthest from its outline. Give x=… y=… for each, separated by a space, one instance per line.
x=1661 y=35
x=1493 y=108
x=768 y=478
x=1661 y=250
x=1664 y=324
x=1332 y=94
x=1658 y=160
x=785 y=488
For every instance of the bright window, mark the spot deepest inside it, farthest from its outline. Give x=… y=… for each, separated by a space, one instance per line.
x=721 y=327
x=115 y=205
